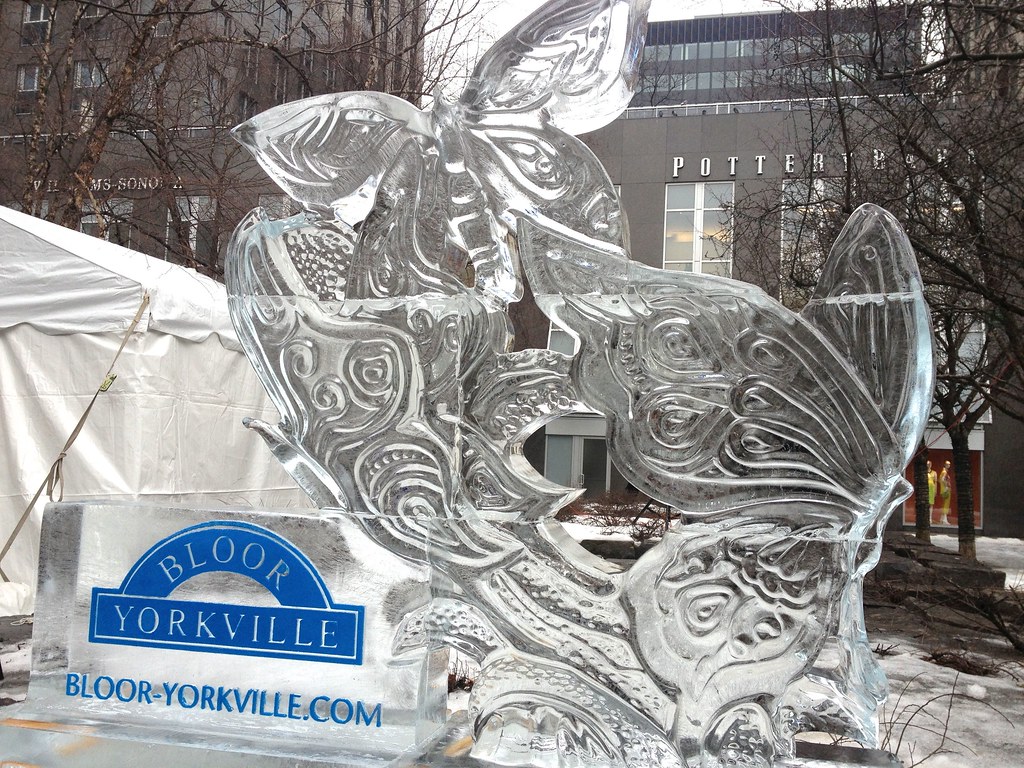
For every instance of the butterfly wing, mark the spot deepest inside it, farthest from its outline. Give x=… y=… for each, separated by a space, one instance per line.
x=568 y=68
x=332 y=151
x=575 y=60
x=869 y=303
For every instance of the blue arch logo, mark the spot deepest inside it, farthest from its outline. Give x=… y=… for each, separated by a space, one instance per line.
x=306 y=624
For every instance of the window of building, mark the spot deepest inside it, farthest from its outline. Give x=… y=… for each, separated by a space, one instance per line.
x=227 y=23
x=191 y=228
x=558 y=460
x=35 y=22
x=308 y=46
x=36 y=12
x=112 y=222
x=698 y=227
x=88 y=74
x=252 y=65
x=281 y=72
x=246 y=106
x=281 y=19
x=278 y=206
x=578 y=461
x=28 y=78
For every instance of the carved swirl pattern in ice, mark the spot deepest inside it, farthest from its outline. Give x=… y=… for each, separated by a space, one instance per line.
x=378 y=322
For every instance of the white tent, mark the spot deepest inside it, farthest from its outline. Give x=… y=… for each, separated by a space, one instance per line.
x=168 y=429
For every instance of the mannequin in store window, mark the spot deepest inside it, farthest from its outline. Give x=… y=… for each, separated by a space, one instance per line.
x=945 y=493
x=933 y=487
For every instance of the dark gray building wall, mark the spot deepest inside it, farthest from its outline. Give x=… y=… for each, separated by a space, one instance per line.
x=1003 y=480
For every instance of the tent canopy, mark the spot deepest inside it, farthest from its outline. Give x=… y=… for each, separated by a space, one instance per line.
x=168 y=432
x=61 y=281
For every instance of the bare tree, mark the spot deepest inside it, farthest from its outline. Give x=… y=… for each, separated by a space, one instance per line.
x=155 y=86
x=924 y=103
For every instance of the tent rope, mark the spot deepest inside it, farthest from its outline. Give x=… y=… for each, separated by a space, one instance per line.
x=54 y=480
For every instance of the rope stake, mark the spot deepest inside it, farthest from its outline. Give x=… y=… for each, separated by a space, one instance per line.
x=54 y=481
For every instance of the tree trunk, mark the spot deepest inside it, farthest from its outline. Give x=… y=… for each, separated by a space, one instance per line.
x=922 y=507
x=964 y=485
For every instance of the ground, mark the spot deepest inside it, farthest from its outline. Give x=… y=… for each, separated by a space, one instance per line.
x=937 y=716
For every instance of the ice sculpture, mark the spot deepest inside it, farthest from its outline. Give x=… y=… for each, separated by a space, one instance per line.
x=378 y=323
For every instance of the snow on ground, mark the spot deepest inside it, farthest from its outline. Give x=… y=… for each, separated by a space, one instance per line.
x=584 y=531
x=938 y=718
x=1004 y=554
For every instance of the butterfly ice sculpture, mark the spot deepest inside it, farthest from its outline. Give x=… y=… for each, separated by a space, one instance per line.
x=378 y=324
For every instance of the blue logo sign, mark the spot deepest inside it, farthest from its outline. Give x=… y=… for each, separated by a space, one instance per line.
x=307 y=624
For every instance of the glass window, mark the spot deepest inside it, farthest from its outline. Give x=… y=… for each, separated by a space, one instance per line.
x=277 y=206
x=281 y=72
x=112 y=222
x=88 y=74
x=281 y=19
x=558 y=460
x=718 y=50
x=28 y=77
x=679 y=240
x=309 y=43
x=191 y=233
x=36 y=12
x=35 y=23
x=703 y=81
x=732 y=49
x=698 y=227
x=703 y=50
x=718 y=194
x=680 y=196
x=691 y=51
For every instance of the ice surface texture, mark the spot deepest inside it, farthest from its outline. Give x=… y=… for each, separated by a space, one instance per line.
x=378 y=323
